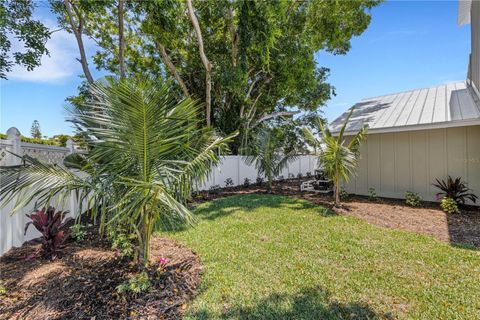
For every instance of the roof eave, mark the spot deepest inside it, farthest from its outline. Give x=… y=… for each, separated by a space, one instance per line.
x=416 y=127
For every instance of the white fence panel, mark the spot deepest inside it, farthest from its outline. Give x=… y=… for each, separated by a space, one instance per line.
x=12 y=226
x=247 y=171
x=236 y=168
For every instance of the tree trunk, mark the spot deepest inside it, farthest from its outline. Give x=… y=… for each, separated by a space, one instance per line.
x=171 y=67
x=337 y=193
x=77 y=31
x=206 y=63
x=143 y=248
x=121 y=39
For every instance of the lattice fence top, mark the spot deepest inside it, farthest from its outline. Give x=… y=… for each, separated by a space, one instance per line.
x=44 y=153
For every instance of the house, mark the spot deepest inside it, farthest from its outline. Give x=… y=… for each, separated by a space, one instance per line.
x=418 y=136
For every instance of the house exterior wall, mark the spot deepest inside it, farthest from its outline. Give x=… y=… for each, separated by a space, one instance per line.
x=393 y=163
x=474 y=71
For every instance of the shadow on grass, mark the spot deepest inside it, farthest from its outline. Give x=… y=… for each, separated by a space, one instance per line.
x=225 y=206
x=309 y=303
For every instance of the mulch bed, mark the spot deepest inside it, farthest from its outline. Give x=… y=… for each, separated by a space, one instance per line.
x=81 y=283
x=429 y=219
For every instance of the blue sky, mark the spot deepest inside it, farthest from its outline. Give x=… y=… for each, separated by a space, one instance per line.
x=407 y=45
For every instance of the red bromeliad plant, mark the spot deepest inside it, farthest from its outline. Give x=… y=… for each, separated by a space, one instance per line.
x=455 y=189
x=50 y=225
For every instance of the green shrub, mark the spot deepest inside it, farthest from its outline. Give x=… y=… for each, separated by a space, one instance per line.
x=122 y=240
x=78 y=232
x=372 y=194
x=137 y=283
x=343 y=194
x=259 y=181
x=215 y=189
x=229 y=182
x=413 y=199
x=246 y=182
x=449 y=205
x=3 y=290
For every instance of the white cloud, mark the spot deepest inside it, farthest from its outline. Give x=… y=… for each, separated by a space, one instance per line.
x=60 y=65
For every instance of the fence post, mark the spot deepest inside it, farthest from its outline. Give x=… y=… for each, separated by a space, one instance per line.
x=69 y=145
x=14 y=146
x=17 y=219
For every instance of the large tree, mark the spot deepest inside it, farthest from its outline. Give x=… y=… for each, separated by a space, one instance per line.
x=18 y=25
x=249 y=61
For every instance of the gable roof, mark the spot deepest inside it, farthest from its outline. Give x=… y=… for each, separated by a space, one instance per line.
x=448 y=105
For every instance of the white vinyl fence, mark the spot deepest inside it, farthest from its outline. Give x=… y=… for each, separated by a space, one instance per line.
x=12 y=226
x=236 y=168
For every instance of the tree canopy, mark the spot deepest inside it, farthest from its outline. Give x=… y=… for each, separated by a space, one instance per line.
x=248 y=61
x=16 y=23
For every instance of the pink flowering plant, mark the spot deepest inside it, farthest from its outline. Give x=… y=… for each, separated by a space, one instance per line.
x=162 y=263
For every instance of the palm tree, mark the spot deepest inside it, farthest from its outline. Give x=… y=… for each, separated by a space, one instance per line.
x=269 y=153
x=147 y=150
x=338 y=158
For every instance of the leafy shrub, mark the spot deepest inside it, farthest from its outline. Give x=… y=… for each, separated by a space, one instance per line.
x=291 y=176
x=246 y=182
x=299 y=175
x=215 y=189
x=343 y=194
x=449 y=205
x=50 y=224
x=78 y=232
x=122 y=240
x=413 y=199
x=200 y=196
x=137 y=283
x=229 y=182
x=454 y=189
x=308 y=174
x=372 y=194
x=259 y=181
x=3 y=290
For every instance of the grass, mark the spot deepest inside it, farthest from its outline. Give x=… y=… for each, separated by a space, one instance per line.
x=273 y=257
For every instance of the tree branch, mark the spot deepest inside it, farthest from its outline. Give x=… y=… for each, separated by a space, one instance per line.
x=171 y=68
x=275 y=115
x=121 y=39
x=206 y=63
x=77 y=31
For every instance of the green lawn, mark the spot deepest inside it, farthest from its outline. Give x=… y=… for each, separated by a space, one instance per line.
x=273 y=257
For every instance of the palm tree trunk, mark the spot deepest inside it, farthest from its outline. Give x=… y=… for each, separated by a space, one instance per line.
x=337 y=194
x=143 y=249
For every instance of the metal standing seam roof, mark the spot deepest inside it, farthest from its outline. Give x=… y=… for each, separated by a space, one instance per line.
x=447 y=105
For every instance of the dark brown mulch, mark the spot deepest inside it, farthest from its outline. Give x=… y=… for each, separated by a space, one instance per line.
x=81 y=284
x=429 y=219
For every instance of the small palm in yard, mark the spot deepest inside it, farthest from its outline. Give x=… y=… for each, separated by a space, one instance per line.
x=338 y=158
x=269 y=153
x=146 y=152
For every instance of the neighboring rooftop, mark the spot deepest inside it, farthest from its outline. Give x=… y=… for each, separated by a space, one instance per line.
x=447 y=105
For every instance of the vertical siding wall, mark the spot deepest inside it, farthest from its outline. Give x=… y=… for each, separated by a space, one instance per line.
x=394 y=163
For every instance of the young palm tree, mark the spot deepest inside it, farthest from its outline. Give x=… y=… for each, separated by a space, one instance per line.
x=270 y=154
x=146 y=152
x=338 y=158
